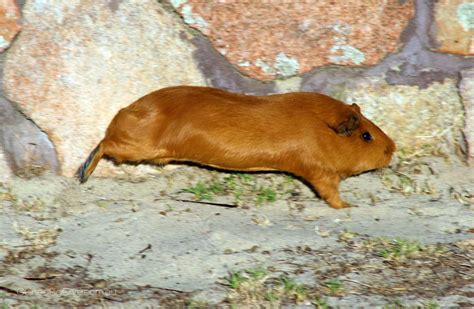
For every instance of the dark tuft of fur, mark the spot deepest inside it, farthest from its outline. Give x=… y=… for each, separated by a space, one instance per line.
x=81 y=172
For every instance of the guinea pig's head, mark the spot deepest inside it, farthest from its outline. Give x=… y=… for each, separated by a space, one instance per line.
x=367 y=146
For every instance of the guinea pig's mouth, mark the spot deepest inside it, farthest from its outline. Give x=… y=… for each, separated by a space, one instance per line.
x=388 y=154
x=384 y=161
x=387 y=160
x=388 y=151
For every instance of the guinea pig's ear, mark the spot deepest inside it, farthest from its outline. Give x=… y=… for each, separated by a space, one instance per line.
x=346 y=127
x=355 y=107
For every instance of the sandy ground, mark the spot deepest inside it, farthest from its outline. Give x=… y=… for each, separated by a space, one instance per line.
x=190 y=236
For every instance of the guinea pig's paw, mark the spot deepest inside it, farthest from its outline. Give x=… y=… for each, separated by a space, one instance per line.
x=340 y=205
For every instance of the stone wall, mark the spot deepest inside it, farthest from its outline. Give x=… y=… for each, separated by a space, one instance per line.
x=68 y=66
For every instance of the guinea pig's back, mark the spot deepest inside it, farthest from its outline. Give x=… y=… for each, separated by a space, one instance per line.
x=268 y=128
x=239 y=118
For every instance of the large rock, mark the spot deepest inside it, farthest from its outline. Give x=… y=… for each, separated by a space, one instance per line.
x=454 y=26
x=466 y=87
x=9 y=23
x=421 y=121
x=279 y=39
x=5 y=170
x=76 y=63
x=25 y=148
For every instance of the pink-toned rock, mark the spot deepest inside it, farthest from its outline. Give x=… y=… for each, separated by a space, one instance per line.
x=454 y=26
x=266 y=39
x=76 y=63
x=9 y=23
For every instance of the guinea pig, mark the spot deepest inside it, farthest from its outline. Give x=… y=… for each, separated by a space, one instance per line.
x=310 y=135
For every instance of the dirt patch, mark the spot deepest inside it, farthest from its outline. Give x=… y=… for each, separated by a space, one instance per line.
x=195 y=237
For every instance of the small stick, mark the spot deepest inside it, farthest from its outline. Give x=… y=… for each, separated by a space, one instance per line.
x=358 y=282
x=147 y=248
x=200 y=202
x=158 y=288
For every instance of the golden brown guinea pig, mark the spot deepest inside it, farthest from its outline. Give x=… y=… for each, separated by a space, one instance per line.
x=306 y=134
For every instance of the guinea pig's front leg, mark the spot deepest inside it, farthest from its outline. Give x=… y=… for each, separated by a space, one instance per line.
x=327 y=186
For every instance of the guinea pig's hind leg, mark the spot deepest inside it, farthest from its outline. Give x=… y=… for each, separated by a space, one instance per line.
x=327 y=186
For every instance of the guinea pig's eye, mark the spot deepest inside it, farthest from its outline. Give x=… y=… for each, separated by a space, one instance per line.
x=367 y=137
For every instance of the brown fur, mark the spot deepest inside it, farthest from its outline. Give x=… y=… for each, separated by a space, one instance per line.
x=307 y=134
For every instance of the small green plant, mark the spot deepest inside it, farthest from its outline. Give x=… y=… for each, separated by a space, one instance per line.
x=320 y=303
x=333 y=285
x=256 y=273
x=431 y=305
x=246 y=178
x=289 y=179
x=288 y=284
x=231 y=182
x=236 y=279
x=242 y=187
x=400 y=248
x=397 y=304
x=292 y=288
x=265 y=195
x=203 y=191
x=255 y=287
x=238 y=194
x=270 y=296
